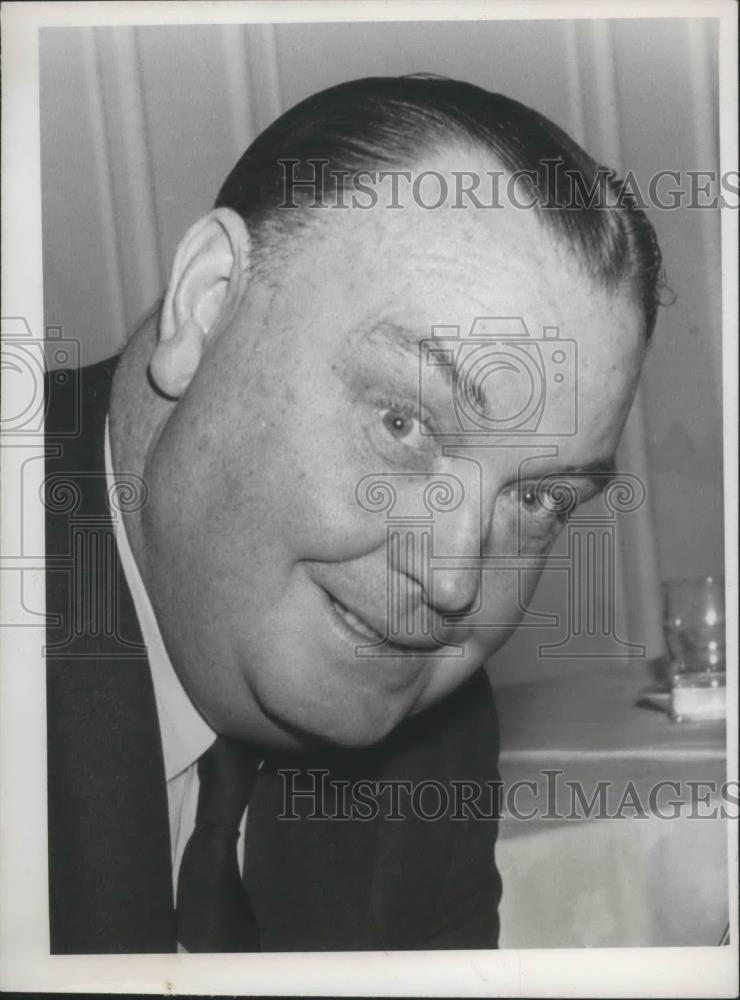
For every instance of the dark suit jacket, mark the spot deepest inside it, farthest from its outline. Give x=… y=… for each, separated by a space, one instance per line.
x=318 y=884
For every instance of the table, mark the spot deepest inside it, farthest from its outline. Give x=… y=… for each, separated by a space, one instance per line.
x=626 y=860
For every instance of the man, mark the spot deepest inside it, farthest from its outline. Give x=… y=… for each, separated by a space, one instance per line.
x=255 y=644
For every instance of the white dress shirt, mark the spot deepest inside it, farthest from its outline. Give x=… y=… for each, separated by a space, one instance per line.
x=185 y=733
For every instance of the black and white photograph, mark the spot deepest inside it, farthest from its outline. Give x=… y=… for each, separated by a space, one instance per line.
x=369 y=530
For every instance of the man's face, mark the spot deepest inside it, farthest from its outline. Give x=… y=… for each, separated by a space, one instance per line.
x=270 y=566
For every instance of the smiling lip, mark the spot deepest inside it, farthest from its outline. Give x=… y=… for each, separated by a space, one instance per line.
x=363 y=631
x=354 y=621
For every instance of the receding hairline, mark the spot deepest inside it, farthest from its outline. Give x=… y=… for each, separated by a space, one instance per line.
x=390 y=122
x=293 y=229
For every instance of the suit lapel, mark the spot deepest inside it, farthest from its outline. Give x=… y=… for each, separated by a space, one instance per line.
x=109 y=850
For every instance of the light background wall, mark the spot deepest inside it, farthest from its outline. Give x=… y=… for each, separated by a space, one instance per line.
x=140 y=126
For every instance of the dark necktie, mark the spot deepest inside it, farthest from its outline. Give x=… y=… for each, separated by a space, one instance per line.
x=213 y=909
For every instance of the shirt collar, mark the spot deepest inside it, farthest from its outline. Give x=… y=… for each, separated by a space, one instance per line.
x=185 y=733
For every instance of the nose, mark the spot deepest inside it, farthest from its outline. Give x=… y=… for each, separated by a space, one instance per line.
x=454 y=582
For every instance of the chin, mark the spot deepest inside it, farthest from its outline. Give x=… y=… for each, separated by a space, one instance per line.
x=358 y=732
x=353 y=718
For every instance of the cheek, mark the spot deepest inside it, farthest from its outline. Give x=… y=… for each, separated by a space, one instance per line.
x=507 y=591
x=293 y=484
x=506 y=594
x=528 y=582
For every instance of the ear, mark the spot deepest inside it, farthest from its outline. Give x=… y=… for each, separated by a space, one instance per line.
x=209 y=275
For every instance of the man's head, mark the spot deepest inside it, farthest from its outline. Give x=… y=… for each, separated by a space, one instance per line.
x=287 y=364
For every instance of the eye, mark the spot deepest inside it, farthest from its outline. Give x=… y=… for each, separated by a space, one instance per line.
x=538 y=520
x=546 y=503
x=402 y=423
x=396 y=431
x=529 y=500
x=398 y=423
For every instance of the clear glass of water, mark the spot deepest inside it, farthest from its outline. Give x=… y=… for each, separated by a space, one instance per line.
x=694 y=627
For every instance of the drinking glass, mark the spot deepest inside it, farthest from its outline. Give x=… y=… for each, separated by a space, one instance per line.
x=694 y=627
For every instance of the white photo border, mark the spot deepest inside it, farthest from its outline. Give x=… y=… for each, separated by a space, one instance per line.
x=25 y=962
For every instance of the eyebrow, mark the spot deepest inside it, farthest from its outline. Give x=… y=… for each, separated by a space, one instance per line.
x=602 y=469
x=409 y=342
x=394 y=334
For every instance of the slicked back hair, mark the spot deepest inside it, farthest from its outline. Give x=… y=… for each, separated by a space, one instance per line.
x=385 y=123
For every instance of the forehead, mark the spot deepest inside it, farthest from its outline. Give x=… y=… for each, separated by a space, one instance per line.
x=415 y=268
